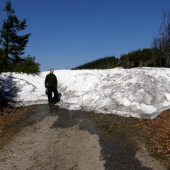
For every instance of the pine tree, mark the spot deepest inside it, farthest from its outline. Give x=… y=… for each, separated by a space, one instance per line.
x=12 y=43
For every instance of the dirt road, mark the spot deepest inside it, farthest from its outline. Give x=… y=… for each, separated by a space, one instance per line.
x=57 y=139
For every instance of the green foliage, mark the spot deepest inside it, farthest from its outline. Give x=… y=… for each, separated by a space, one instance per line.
x=28 y=65
x=2 y=60
x=132 y=59
x=12 y=45
x=138 y=58
x=103 y=63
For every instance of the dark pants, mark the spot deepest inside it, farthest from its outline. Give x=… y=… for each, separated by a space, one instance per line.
x=54 y=90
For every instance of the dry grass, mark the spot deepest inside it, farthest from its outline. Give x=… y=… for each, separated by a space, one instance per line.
x=154 y=133
x=158 y=131
x=9 y=123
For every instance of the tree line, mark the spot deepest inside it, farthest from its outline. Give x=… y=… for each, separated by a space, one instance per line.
x=161 y=43
x=12 y=45
x=138 y=58
x=156 y=56
x=103 y=63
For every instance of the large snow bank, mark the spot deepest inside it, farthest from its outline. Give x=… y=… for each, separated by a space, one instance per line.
x=138 y=92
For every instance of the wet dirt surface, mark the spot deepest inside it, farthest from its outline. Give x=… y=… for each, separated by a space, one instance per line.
x=58 y=139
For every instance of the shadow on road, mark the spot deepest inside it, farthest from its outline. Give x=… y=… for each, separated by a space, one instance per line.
x=8 y=90
x=117 y=151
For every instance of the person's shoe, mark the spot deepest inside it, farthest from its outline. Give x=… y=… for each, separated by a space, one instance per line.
x=50 y=104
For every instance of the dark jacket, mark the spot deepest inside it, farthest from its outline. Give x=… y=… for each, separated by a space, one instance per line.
x=50 y=80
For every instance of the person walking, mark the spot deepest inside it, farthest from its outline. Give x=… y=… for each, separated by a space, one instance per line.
x=51 y=86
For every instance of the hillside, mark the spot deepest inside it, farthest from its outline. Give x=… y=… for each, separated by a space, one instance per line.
x=139 y=58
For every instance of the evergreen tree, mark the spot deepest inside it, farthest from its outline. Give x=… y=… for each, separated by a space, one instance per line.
x=2 y=60
x=12 y=43
x=28 y=65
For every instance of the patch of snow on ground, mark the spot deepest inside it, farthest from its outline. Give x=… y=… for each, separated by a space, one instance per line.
x=137 y=92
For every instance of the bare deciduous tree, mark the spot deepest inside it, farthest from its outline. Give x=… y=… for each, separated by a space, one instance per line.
x=164 y=38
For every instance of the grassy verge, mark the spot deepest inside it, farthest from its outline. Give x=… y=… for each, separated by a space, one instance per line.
x=9 y=123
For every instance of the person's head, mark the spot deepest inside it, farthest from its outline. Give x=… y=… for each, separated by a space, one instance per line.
x=51 y=71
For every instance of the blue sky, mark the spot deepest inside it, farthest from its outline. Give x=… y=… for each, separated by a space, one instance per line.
x=68 y=33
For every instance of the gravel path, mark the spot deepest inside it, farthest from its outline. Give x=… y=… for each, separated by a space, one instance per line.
x=58 y=139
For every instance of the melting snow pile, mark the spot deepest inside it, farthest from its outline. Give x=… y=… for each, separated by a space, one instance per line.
x=138 y=92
